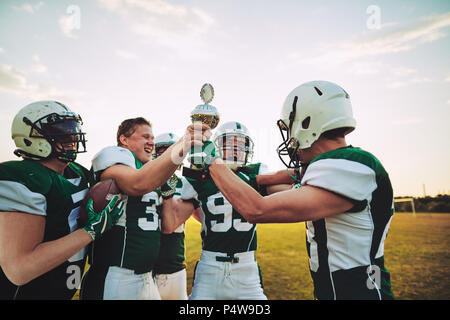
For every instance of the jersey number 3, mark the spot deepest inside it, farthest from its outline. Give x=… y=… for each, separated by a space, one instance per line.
x=151 y=222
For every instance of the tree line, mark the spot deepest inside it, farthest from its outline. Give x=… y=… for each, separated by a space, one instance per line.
x=440 y=203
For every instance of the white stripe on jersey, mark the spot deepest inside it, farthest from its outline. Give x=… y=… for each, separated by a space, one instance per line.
x=380 y=251
x=349 y=239
x=78 y=196
x=348 y=178
x=75 y=181
x=15 y=197
x=314 y=260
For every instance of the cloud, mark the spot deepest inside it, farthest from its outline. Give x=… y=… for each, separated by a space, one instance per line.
x=15 y=81
x=158 y=19
x=390 y=39
x=66 y=26
x=39 y=68
x=403 y=71
x=2 y=50
x=407 y=121
x=127 y=55
x=398 y=37
x=366 y=67
x=30 y=8
x=11 y=79
x=402 y=83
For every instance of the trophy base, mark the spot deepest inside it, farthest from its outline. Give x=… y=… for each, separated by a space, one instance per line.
x=195 y=174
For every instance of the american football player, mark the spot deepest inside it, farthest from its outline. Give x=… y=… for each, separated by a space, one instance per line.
x=227 y=268
x=42 y=247
x=122 y=261
x=345 y=197
x=170 y=268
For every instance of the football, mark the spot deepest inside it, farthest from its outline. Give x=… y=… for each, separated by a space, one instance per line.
x=101 y=194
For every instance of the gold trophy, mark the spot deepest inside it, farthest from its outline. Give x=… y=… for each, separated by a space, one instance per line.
x=207 y=114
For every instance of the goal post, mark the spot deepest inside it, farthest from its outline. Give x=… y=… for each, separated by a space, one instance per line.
x=411 y=200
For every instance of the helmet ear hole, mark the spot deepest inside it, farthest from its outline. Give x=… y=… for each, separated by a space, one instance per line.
x=318 y=91
x=27 y=142
x=306 y=122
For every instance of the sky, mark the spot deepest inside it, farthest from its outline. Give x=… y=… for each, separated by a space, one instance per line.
x=110 y=60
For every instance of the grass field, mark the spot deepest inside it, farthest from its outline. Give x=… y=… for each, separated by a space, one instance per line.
x=417 y=254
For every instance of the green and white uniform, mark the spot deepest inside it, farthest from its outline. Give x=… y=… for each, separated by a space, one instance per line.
x=29 y=187
x=129 y=249
x=345 y=249
x=170 y=268
x=225 y=235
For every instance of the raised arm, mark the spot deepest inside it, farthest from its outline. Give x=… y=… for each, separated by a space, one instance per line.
x=278 y=181
x=305 y=203
x=154 y=173
x=174 y=213
x=274 y=178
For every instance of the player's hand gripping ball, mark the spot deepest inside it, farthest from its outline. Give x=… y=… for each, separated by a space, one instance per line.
x=101 y=208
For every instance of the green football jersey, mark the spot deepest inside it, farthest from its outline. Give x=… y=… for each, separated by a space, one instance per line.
x=346 y=250
x=29 y=187
x=134 y=242
x=223 y=228
x=172 y=252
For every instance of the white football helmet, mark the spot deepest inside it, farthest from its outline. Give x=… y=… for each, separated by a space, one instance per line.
x=41 y=129
x=164 y=140
x=234 y=144
x=310 y=110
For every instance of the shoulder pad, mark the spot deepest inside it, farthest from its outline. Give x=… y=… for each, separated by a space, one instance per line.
x=112 y=155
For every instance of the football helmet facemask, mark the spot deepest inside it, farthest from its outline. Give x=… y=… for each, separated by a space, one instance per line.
x=308 y=111
x=234 y=144
x=46 y=129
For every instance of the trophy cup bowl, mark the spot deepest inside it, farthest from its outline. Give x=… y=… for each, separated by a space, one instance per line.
x=206 y=114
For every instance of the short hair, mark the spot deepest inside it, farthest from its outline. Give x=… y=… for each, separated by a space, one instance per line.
x=128 y=127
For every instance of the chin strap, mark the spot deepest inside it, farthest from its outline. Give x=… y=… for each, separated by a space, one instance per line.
x=23 y=154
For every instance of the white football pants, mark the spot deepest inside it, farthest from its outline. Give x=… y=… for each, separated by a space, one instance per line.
x=124 y=284
x=216 y=280
x=172 y=286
